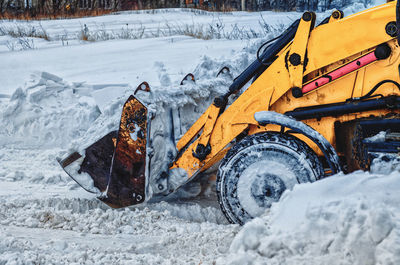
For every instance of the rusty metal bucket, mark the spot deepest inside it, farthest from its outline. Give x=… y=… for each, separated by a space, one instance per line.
x=115 y=166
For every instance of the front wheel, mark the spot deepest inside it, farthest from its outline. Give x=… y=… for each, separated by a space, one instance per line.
x=258 y=169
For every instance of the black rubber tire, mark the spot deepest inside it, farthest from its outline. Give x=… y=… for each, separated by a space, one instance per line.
x=273 y=150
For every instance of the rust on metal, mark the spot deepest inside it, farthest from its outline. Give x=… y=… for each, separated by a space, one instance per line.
x=224 y=70
x=70 y=159
x=127 y=179
x=188 y=77
x=144 y=86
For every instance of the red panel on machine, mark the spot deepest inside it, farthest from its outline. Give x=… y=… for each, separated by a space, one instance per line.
x=344 y=70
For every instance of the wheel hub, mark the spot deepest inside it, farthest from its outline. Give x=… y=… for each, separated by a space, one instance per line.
x=267 y=188
x=262 y=184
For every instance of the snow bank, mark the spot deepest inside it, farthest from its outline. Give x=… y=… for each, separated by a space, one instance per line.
x=50 y=112
x=47 y=111
x=344 y=219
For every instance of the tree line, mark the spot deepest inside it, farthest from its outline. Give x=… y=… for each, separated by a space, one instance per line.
x=35 y=8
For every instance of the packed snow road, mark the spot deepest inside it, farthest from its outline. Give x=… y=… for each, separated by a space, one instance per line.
x=74 y=94
x=60 y=230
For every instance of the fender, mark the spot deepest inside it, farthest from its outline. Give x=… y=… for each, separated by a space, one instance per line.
x=271 y=117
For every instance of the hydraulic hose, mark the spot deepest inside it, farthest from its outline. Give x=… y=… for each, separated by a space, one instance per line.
x=269 y=54
x=368 y=95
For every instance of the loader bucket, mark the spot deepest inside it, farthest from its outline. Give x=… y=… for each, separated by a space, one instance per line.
x=114 y=167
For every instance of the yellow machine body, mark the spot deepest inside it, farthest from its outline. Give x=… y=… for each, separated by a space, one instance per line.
x=327 y=47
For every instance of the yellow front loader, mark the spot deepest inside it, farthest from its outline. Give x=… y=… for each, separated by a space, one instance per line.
x=323 y=99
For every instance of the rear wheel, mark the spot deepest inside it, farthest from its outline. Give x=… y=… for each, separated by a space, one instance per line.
x=258 y=169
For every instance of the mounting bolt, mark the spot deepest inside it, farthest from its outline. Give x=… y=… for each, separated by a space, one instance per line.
x=202 y=151
x=295 y=59
x=337 y=14
x=296 y=92
x=383 y=51
x=219 y=101
x=391 y=29
x=307 y=16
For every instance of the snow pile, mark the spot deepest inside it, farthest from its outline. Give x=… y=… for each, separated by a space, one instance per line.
x=49 y=111
x=358 y=6
x=46 y=112
x=344 y=219
x=385 y=163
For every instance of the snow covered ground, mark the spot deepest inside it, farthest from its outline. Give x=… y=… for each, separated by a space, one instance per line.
x=57 y=96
